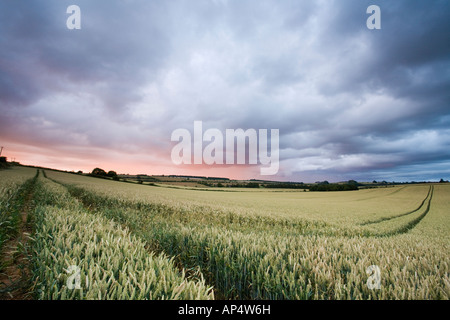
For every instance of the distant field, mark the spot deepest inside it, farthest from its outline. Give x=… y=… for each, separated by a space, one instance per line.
x=182 y=243
x=337 y=206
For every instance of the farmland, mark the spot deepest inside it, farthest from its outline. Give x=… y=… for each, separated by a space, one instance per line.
x=137 y=241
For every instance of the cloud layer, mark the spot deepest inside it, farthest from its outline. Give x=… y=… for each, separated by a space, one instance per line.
x=350 y=103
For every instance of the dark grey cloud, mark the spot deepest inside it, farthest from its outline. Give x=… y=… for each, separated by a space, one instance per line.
x=347 y=100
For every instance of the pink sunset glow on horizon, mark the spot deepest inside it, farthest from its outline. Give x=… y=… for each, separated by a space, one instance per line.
x=123 y=163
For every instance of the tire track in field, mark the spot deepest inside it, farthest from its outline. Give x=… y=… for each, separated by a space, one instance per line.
x=382 y=196
x=410 y=225
x=15 y=283
x=428 y=196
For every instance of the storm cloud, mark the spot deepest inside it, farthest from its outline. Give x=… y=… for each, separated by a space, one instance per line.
x=350 y=103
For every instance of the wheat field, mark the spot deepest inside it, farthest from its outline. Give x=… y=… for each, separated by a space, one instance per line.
x=130 y=241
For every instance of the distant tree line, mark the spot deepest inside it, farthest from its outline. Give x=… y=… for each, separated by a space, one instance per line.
x=286 y=185
x=333 y=187
x=225 y=182
x=198 y=177
x=318 y=186
x=100 y=173
x=326 y=186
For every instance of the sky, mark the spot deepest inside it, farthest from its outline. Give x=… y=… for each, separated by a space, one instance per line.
x=349 y=102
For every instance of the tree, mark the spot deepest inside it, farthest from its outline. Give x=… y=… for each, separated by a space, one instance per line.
x=252 y=185
x=112 y=174
x=99 y=172
x=333 y=187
